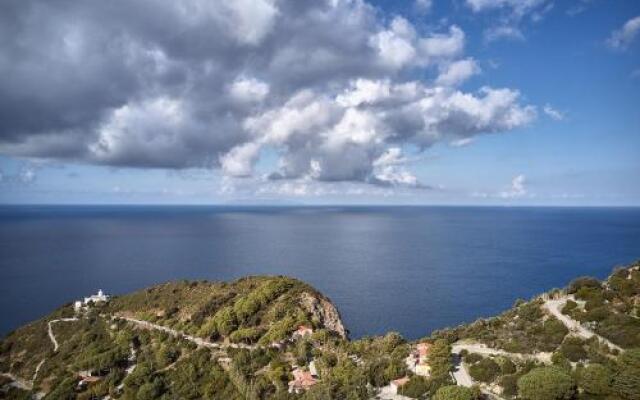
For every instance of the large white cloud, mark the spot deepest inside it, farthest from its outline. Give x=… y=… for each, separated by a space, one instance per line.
x=329 y=85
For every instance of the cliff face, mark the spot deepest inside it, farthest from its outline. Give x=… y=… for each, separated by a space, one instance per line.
x=324 y=311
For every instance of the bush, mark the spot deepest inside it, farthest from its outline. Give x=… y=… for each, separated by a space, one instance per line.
x=472 y=358
x=509 y=385
x=583 y=282
x=416 y=387
x=595 y=379
x=573 y=349
x=569 y=306
x=485 y=370
x=507 y=367
x=626 y=383
x=454 y=393
x=546 y=383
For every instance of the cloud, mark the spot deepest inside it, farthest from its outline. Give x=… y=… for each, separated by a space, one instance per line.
x=461 y=142
x=511 y=16
x=248 y=90
x=518 y=8
x=423 y=6
x=622 y=38
x=458 y=72
x=553 y=113
x=503 y=32
x=517 y=188
x=344 y=137
x=328 y=85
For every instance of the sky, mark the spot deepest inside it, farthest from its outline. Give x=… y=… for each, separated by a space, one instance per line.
x=425 y=102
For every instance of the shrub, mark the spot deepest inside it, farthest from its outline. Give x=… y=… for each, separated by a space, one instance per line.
x=485 y=370
x=453 y=393
x=472 y=358
x=583 y=282
x=595 y=379
x=546 y=383
x=417 y=387
x=569 y=306
x=573 y=349
x=626 y=383
x=509 y=385
x=507 y=367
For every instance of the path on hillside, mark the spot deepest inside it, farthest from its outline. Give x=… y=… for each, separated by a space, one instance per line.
x=198 y=341
x=18 y=382
x=461 y=374
x=52 y=336
x=483 y=349
x=554 y=306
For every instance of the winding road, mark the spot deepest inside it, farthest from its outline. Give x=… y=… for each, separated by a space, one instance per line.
x=198 y=341
x=555 y=306
x=52 y=336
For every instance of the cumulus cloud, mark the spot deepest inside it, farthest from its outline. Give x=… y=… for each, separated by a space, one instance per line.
x=517 y=188
x=621 y=38
x=458 y=72
x=328 y=85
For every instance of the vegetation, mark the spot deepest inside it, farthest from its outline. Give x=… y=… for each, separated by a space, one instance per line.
x=253 y=320
x=546 y=383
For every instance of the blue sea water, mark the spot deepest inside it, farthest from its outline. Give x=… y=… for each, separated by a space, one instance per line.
x=407 y=269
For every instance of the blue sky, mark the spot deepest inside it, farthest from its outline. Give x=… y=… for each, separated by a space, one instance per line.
x=566 y=131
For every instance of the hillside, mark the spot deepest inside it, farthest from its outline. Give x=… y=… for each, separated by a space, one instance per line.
x=276 y=337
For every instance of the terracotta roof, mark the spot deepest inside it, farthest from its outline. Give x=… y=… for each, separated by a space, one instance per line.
x=302 y=379
x=424 y=349
x=401 y=381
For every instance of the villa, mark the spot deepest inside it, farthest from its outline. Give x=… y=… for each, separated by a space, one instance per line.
x=302 y=331
x=418 y=360
x=302 y=381
x=396 y=385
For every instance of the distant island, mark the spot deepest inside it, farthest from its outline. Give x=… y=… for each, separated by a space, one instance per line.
x=279 y=338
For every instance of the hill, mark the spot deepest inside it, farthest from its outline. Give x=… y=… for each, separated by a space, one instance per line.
x=277 y=337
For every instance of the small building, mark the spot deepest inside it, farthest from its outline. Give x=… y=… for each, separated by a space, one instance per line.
x=87 y=377
x=302 y=331
x=302 y=381
x=397 y=384
x=77 y=306
x=100 y=297
x=424 y=349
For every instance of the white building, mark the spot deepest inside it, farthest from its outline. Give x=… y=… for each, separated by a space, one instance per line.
x=100 y=297
x=96 y=298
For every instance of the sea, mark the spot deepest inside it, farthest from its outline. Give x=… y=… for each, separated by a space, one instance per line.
x=406 y=269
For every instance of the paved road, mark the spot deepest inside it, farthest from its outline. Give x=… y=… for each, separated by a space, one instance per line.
x=198 y=341
x=460 y=373
x=555 y=307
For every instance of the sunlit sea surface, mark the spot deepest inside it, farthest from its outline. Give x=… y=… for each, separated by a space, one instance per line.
x=406 y=269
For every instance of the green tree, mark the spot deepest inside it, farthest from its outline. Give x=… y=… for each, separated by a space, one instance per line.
x=453 y=392
x=626 y=383
x=546 y=383
x=417 y=387
x=595 y=379
x=485 y=370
